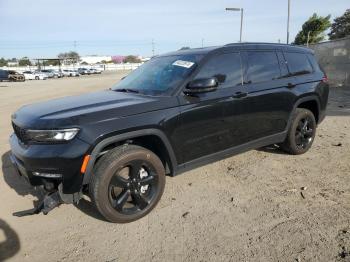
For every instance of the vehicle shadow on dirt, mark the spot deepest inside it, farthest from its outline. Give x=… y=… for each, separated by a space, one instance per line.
x=17 y=182
x=10 y=245
x=273 y=149
x=89 y=209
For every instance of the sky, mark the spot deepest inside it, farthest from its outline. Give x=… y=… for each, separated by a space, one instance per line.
x=44 y=28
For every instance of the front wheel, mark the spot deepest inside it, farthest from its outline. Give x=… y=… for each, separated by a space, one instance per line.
x=127 y=183
x=301 y=132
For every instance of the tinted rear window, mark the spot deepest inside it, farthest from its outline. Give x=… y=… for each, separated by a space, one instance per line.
x=225 y=67
x=298 y=63
x=262 y=66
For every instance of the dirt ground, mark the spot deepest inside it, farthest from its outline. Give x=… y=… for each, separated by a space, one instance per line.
x=262 y=205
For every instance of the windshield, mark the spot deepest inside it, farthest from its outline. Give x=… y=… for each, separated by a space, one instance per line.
x=160 y=75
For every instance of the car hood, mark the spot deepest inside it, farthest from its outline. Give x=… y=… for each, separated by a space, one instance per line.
x=81 y=109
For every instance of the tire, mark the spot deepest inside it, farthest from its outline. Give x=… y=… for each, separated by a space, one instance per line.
x=115 y=188
x=37 y=78
x=301 y=133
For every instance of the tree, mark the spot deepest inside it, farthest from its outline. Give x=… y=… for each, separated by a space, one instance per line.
x=131 y=59
x=69 y=57
x=24 y=62
x=313 y=29
x=341 y=26
x=70 y=54
x=3 y=62
x=52 y=62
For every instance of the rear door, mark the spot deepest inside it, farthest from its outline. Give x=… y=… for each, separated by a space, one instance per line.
x=205 y=125
x=269 y=100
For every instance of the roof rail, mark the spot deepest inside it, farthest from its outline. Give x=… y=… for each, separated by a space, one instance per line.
x=256 y=43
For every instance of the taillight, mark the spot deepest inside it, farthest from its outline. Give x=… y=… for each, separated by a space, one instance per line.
x=325 y=79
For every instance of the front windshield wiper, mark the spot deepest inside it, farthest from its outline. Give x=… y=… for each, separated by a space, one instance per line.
x=127 y=90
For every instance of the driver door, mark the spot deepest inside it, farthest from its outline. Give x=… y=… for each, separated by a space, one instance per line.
x=204 y=127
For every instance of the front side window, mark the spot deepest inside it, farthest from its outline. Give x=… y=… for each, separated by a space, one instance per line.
x=226 y=68
x=262 y=66
x=159 y=76
x=298 y=63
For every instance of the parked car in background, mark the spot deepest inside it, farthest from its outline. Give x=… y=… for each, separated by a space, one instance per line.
x=57 y=73
x=93 y=71
x=41 y=75
x=48 y=72
x=74 y=73
x=84 y=71
x=10 y=75
x=67 y=72
x=3 y=75
x=28 y=75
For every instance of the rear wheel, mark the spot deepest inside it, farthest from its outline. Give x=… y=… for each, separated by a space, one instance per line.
x=127 y=183
x=301 y=133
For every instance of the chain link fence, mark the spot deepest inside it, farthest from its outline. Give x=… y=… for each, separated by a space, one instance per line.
x=334 y=57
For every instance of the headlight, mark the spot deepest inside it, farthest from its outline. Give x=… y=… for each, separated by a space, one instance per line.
x=51 y=135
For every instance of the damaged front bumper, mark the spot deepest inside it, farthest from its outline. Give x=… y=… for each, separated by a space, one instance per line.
x=56 y=167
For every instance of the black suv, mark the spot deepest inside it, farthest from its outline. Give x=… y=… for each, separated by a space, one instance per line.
x=176 y=112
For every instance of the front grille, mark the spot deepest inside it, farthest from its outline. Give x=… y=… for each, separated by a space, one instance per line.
x=20 y=133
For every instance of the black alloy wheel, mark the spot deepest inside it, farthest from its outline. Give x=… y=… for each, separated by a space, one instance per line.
x=304 y=132
x=133 y=187
x=127 y=183
x=301 y=132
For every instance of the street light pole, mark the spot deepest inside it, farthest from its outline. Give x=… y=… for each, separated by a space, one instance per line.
x=238 y=9
x=288 y=21
x=240 y=35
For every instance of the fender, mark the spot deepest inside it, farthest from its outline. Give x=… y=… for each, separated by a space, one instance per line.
x=129 y=135
x=302 y=100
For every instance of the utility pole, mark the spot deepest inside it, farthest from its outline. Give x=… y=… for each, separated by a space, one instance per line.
x=75 y=50
x=238 y=9
x=288 y=21
x=152 y=47
x=202 y=42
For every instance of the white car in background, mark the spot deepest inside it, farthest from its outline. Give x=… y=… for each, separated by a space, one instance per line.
x=95 y=70
x=67 y=72
x=49 y=73
x=28 y=75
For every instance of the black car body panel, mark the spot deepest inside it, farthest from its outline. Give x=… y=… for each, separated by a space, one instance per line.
x=193 y=129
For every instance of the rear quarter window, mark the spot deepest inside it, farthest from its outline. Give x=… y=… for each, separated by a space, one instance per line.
x=314 y=63
x=298 y=63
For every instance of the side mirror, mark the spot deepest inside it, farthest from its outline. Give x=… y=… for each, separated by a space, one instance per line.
x=202 y=85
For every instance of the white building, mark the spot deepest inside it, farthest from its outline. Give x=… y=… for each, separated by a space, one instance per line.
x=94 y=59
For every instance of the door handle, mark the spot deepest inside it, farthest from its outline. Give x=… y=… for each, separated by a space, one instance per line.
x=240 y=94
x=291 y=85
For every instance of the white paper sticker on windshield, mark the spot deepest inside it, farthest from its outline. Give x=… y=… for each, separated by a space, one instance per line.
x=182 y=63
